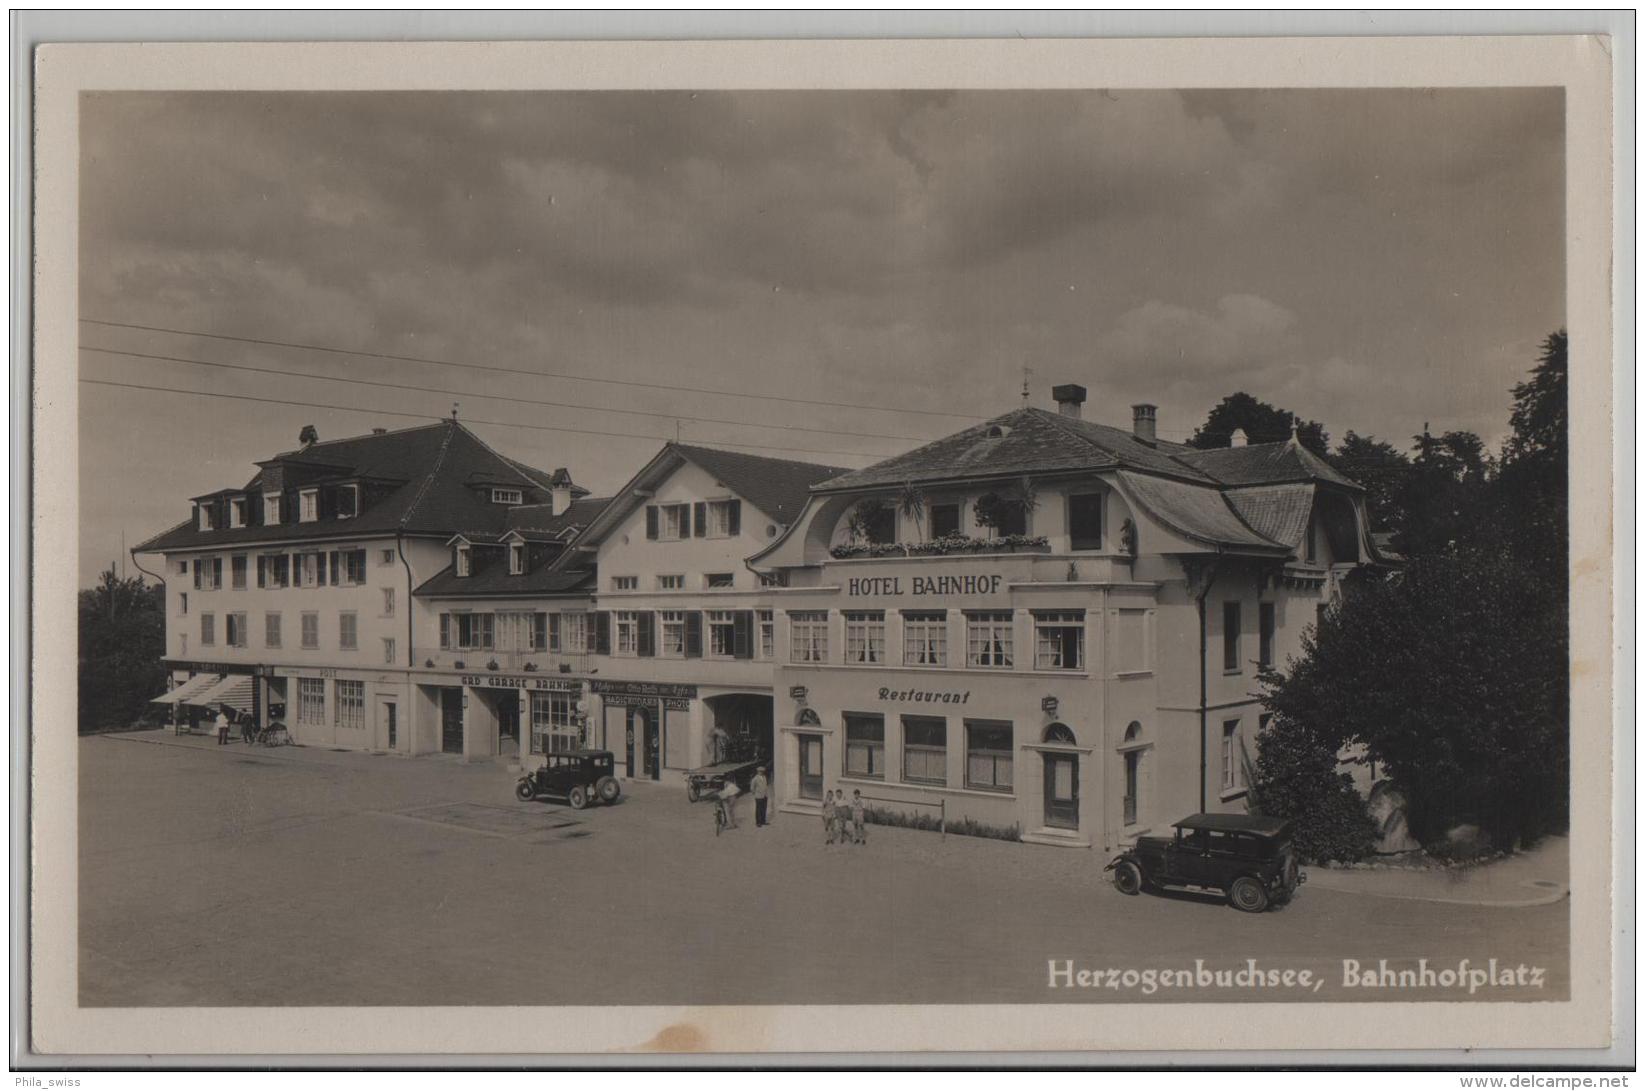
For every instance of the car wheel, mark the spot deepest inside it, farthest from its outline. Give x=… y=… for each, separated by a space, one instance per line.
x=692 y=794
x=1127 y=878
x=608 y=789
x=577 y=797
x=524 y=792
x=1248 y=895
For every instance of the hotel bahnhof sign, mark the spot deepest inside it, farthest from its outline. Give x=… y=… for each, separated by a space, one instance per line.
x=927 y=587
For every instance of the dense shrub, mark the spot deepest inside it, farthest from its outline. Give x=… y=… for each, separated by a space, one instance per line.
x=1297 y=777
x=963 y=827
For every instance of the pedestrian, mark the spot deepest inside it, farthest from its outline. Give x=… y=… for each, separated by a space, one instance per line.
x=859 y=833
x=759 y=788
x=222 y=725
x=828 y=816
x=728 y=799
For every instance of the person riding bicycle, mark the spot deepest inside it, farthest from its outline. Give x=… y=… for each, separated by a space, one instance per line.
x=728 y=801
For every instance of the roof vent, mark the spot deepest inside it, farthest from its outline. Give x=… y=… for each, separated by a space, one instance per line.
x=308 y=436
x=1069 y=397
x=1239 y=438
x=998 y=431
x=1142 y=421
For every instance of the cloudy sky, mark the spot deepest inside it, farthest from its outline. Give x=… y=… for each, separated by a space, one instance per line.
x=1372 y=259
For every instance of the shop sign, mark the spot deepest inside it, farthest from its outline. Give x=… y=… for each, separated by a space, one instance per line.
x=522 y=681
x=921 y=586
x=606 y=687
x=219 y=668
x=629 y=700
x=926 y=696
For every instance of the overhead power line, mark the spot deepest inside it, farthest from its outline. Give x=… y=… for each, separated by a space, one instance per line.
x=422 y=388
x=525 y=371
x=466 y=420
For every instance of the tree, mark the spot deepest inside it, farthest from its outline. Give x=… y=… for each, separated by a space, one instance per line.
x=1261 y=422
x=910 y=504
x=122 y=640
x=1445 y=498
x=1383 y=470
x=1297 y=776
x=1532 y=500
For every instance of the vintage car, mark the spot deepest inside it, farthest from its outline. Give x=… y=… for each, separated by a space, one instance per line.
x=1246 y=857
x=577 y=776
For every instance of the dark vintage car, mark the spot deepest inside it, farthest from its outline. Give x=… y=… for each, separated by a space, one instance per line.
x=578 y=776
x=1246 y=857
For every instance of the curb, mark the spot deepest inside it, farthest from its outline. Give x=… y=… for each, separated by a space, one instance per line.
x=1550 y=898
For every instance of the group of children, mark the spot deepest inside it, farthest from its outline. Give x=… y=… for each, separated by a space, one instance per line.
x=842 y=819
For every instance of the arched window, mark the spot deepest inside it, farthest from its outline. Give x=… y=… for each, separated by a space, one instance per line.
x=1133 y=771
x=808 y=718
x=1134 y=731
x=1059 y=733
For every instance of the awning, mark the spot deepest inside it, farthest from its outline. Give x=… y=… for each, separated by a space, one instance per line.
x=197 y=684
x=234 y=690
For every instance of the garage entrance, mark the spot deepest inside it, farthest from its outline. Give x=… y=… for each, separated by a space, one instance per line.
x=451 y=720
x=741 y=728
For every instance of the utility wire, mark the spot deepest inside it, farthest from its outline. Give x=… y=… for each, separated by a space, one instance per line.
x=494 y=397
x=466 y=420
x=524 y=371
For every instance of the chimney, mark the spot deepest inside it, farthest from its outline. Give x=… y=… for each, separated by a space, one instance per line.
x=1142 y=422
x=1069 y=397
x=561 y=491
x=1239 y=438
x=308 y=436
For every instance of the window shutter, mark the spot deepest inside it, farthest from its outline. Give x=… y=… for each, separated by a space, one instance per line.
x=336 y=568
x=651 y=522
x=699 y=519
x=445 y=631
x=197 y=573
x=694 y=633
x=734 y=517
x=646 y=633
x=553 y=631
x=262 y=574
x=294 y=568
x=742 y=634
x=602 y=632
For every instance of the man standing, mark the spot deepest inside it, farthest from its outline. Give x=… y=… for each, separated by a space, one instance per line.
x=222 y=725
x=760 y=788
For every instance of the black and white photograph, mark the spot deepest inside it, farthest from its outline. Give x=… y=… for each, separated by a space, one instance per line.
x=692 y=547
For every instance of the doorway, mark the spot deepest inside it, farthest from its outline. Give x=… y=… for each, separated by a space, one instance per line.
x=1062 y=781
x=628 y=743
x=389 y=713
x=451 y=720
x=811 y=765
x=647 y=725
x=508 y=724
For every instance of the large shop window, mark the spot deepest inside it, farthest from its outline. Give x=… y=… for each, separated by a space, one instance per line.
x=808 y=636
x=988 y=639
x=925 y=638
x=988 y=755
x=351 y=704
x=865 y=636
x=311 y=700
x=553 y=723
x=1059 y=640
x=925 y=749
x=864 y=745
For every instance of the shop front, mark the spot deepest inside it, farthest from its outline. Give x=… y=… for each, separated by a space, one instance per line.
x=494 y=716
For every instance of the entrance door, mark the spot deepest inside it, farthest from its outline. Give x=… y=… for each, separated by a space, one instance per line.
x=508 y=724
x=451 y=721
x=1062 y=791
x=628 y=743
x=647 y=726
x=391 y=723
x=811 y=766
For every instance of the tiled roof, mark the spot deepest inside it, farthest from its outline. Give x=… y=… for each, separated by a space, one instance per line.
x=1262 y=464
x=1196 y=511
x=777 y=486
x=1279 y=512
x=435 y=462
x=494 y=579
x=1032 y=440
x=539 y=519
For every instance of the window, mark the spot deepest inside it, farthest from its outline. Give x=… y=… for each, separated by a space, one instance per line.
x=516 y=558
x=273 y=570
x=271 y=630
x=348 y=501
x=722 y=633
x=988 y=756
x=182 y=643
x=517 y=631
x=271 y=509
x=724 y=518
x=767 y=648
x=237 y=512
x=878 y=521
x=1230 y=636
x=553 y=723
x=668 y=522
x=474 y=631
x=506 y=496
x=1085 y=521
x=388 y=602
x=988 y=639
x=945 y=520
x=311 y=629
x=718 y=580
x=673 y=632
x=311 y=700
x=865 y=636
x=308 y=509
x=350 y=706
x=864 y=745
x=465 y=560
x=539 y=631
x=925 y=750
x=182 y=568
x=234 y=632
x=208 y=630
x=1133 y=770
x=348 y=630
x=670 y=583
x=808 y=636
x=354 y=567
x=1265 y=634
x=182 y=603
x=308 y=569
x=208 y=517
x=1232 y=775
x=574 y=633
x=237 y=572
x=388 y=651
x=385 y=556
x=625 y=583
x=208 y=574
x=1059 y=640
x=628 y=632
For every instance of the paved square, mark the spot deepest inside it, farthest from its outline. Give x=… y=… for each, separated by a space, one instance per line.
x=222 y=876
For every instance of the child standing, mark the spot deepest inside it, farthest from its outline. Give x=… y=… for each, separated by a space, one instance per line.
x=829 y=817
x=859 y=832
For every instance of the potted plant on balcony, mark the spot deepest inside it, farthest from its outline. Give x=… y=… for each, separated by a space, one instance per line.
x=910 y=504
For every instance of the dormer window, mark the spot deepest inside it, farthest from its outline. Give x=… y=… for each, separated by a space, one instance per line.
x=237 y=512
x=271 y=509
x=348 y=501
x=516 y=559
x=208 y=519
x=465 y=563
x=507 y=496
x=308 y=510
